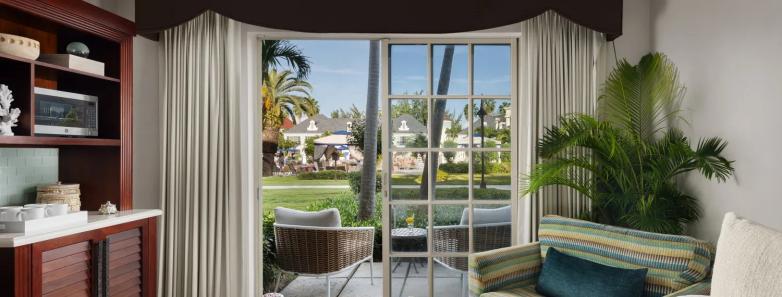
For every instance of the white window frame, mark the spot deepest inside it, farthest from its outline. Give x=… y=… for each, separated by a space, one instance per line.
x=387 y=150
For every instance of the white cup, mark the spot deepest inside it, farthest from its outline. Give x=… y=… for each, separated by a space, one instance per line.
x=10 y=213
x=31 y=213
x=57 y=209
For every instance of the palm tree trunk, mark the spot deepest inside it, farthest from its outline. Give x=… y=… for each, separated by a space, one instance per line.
x=438 y=116
x=269 y=148
x=366 y=198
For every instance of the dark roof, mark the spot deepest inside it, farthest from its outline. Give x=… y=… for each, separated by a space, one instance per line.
x=323 y=124
x=413 y=125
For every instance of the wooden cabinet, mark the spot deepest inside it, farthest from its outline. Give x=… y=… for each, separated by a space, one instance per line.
x=67 y=270
x=115 y=261
x=124 y=253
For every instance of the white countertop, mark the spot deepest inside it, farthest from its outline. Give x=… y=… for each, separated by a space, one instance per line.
x=94 y=221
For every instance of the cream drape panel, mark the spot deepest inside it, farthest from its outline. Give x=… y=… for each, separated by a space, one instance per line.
x=562 y=66
x=199 y=246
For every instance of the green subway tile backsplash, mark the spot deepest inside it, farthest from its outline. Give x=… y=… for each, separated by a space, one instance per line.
x=22 y=169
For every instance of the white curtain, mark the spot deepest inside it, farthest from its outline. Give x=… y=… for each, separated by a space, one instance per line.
x=562 y=66
x=200 y=244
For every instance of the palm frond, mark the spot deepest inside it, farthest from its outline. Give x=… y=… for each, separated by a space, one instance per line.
x=276 y=52
x=643 y=98
x=710 y=161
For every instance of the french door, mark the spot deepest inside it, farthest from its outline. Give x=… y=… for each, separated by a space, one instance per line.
x=449 y=160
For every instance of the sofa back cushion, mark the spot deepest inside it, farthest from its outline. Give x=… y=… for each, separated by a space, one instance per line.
x=482 y=216
x=674 y=261
x=324 y=218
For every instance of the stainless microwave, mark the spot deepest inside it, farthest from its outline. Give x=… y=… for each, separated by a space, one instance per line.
x=65 y=113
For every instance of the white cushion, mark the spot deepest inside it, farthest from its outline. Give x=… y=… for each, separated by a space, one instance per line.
x=487 y=215
x=748 y=261
x=324 y=218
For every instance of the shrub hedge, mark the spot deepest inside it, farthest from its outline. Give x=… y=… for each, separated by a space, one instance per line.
x=462 y=167
x=323 y=174
x=454 y=193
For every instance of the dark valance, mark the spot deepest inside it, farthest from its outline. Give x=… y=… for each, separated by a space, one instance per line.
x=393 y=16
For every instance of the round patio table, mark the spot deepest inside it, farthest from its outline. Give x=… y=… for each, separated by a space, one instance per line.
x=408 y=240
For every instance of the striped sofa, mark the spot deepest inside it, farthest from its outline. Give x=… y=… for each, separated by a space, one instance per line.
x=678 y=265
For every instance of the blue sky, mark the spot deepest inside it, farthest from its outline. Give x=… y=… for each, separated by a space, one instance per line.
x=339 y=70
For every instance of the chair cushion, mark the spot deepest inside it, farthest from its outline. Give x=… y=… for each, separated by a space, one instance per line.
x=674 y=261
x=568 y=276
x=749 y=260
x=487 y=215
x=324 y=218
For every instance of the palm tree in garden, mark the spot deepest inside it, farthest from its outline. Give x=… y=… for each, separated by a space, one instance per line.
x=276 y=53
x=284 y=96
x=366 y=199
x=438 y=116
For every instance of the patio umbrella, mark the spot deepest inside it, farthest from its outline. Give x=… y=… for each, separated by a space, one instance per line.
x=332 y=140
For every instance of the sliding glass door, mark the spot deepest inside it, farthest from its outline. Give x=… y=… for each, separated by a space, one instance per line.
x=449 y=160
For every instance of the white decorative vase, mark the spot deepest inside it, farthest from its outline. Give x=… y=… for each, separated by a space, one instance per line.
x=19 y=46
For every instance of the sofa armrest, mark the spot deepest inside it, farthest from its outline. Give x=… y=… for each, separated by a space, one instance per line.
x=504 y=268
x=699 y=288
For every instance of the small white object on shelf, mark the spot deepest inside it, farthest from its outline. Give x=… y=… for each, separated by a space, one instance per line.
x=8 y=116
x=107 y=208
x=19 y=46
x=74 y=62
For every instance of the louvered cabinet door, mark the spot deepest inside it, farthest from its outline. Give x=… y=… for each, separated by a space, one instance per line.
x=125 y=263
x=67 y=270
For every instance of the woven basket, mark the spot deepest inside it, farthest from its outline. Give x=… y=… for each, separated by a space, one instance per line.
x=60 y=193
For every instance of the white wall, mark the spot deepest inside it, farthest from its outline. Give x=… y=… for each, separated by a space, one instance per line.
x=728 y=53
x=146 y=117
x=635 y=41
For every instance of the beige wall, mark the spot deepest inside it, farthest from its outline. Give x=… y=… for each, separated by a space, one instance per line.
x=728 y=53
x=146 y=118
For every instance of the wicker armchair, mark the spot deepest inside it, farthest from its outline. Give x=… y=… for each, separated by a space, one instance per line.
x=455 y=239
x=323 y=251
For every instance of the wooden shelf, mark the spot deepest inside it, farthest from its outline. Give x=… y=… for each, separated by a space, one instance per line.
x=59 y=68
x=102 y=165
x=47 y=141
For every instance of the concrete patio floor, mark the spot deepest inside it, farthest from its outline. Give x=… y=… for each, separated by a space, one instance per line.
x=446 y=282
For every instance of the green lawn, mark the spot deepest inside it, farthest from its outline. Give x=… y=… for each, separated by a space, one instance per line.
x=297 y=198
x=294 y=181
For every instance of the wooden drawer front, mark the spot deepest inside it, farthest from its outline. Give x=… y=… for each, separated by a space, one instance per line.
x=124 y=264
x=66 y=271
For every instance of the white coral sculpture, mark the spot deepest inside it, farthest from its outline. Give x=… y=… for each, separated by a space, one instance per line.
x=8 y=116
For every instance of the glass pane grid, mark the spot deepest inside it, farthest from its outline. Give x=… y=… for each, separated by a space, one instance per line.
x=434 y=150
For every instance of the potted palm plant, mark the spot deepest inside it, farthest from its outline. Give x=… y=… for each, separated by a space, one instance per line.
x=629 y=159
